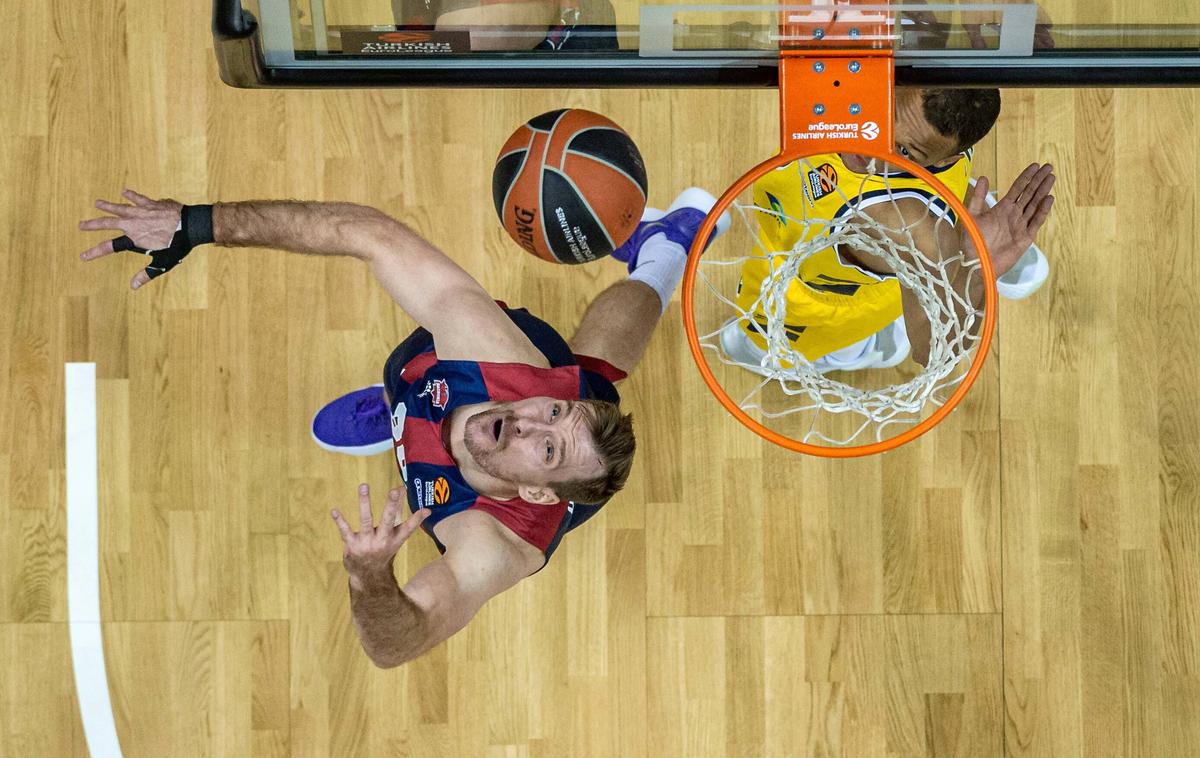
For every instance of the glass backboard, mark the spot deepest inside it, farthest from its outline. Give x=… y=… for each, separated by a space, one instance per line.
x=596 y=43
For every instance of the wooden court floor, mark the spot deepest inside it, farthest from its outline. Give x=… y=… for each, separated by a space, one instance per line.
x=1023 y=582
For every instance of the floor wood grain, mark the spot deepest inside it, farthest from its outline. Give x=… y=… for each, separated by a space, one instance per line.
x=1025 y=581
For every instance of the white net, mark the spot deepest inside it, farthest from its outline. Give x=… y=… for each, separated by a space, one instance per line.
x=800 y=302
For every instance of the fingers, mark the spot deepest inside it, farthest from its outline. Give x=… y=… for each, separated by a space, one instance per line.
x=1041 y=214
x=1021 y=183
x=99 y=251
x=342 y=526
x=1039 y=190
x=410 y=526
x=140 y=278
x=136 y=199
x=117 y=209
x=366 y=521
x=391 y=510
x=106 y=222
x=977 y=201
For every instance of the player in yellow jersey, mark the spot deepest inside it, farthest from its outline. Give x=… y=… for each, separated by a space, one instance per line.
x=844 y=309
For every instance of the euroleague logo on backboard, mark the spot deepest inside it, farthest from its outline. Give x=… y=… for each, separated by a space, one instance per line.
x=867 y=130
x=438 y=391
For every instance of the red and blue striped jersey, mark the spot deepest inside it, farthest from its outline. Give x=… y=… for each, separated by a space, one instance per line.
x=428 y=391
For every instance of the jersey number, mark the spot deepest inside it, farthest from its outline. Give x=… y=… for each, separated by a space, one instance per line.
x=398 y=417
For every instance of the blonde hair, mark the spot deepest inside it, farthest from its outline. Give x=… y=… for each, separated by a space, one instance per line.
x=612 y=435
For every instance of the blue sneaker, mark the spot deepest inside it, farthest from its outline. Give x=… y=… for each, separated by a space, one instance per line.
x=679 y=223
x=358 y=423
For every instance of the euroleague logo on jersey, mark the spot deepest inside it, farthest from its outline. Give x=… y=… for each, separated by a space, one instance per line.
x=821 y=181
x=432 y=493
x=438 y=391
x=441 y=491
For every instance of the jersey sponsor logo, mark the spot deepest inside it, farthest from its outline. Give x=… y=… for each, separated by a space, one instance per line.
x=441 y=491
x=821 y=181
x=438 y=391
x=432 y=493
x=780 y=217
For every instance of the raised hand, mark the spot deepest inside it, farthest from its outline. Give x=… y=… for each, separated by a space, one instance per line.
x=154 y=227
x=1010 y=226
x=371 y=549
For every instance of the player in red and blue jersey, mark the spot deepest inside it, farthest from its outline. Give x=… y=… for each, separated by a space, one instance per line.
x=505 y=435
x=505 y=402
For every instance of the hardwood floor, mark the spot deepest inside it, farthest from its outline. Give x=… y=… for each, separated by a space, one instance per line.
x=1025 y=581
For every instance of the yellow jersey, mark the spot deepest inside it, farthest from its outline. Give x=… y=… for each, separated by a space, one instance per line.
x=832 y=303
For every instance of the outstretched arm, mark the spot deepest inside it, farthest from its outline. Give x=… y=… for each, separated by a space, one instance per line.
x=429 y=286
x=396 y=625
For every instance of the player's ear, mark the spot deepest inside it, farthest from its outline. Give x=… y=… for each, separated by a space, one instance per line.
x=541 y=494
x=948 y=161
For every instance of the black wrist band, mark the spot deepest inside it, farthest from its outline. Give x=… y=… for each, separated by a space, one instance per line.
x=197 y=224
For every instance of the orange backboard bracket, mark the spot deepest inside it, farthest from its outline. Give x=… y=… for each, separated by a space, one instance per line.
x=836 y=77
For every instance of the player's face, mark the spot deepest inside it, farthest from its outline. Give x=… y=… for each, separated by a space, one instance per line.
x=916 y=138
x=533 y=442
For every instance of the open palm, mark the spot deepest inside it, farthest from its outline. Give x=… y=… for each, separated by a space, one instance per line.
x=1010 y=226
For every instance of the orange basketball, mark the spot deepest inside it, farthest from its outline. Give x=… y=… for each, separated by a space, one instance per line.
x=569 y=186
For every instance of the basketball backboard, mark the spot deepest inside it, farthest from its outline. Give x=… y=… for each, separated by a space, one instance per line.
x=313 y=43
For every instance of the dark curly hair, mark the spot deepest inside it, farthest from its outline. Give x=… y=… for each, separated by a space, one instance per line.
x=963 y=115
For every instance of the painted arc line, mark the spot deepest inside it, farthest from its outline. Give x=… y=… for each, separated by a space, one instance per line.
x=83 y=563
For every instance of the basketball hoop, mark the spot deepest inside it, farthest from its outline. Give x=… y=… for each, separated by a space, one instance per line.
x=836 y=101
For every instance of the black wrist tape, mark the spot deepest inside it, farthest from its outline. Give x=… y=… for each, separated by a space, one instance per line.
x=195 y=228
x=197 y=223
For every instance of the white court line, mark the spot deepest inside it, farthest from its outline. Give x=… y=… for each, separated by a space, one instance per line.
x=83 y=563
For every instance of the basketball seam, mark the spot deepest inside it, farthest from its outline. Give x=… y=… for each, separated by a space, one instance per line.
x=516 y=176
x=502 y=156
x=562 y=112
x=595 y=217
x=541 y=175
x=614 y=167
x=598 y=127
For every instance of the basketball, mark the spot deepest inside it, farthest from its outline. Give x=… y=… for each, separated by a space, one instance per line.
x=569 y=186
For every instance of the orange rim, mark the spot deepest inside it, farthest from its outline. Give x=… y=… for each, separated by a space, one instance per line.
x=689 y=313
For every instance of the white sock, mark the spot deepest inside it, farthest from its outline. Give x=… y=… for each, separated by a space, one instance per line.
x=660 y=266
